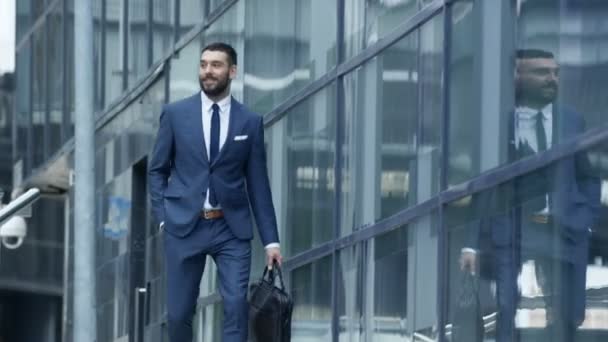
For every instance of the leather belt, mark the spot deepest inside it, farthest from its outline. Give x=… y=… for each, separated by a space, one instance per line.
x=212 y=214
x=542 y=218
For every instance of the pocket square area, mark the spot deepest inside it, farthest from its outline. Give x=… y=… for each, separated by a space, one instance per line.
x=240 y=137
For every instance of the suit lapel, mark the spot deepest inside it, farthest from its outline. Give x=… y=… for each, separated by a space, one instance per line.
x=197 y=113
x=233 y=117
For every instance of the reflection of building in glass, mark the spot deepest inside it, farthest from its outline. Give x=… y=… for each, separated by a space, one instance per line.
x=388 y=126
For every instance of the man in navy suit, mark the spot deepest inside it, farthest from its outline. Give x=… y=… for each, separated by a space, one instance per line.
x=207 y=168
x=545 y=216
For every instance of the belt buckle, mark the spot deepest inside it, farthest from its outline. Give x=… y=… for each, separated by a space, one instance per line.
x=207 y=214
x=542 y=219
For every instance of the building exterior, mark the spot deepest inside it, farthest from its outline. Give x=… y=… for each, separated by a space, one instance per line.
x=387 y=122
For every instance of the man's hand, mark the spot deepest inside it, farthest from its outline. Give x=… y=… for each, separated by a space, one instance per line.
x=273 y=254
x=467 y=261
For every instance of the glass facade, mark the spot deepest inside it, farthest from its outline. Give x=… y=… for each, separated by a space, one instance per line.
x=438 y=168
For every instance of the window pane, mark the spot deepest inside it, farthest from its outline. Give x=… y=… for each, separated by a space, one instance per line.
x=115 y=27
x=538 y=245
x=393 y=115
x=511 y=62
x=163 y=22
x=138 y=39
x=289 y=43
x=403 y=271
x=39 y=97
x=367 y=21
x=56 y=78
x=23 y=98
x=184 y=71
x=301 y=153
x=191 y=13
x=351 y=298
x=311 y=291
x=24 y=20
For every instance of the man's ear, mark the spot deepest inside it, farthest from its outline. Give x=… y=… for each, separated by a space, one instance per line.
x=232 y=71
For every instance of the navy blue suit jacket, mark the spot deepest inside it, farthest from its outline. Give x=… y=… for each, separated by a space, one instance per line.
x=571 y=183
x=180 y=172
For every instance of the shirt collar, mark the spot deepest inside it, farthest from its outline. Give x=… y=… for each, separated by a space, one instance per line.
x=525 y=111
x=223 y=103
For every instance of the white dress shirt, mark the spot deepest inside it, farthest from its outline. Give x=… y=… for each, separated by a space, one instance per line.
x=525 y=126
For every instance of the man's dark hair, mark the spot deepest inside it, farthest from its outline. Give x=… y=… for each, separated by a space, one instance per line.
x=533 y=53
x=223 y=47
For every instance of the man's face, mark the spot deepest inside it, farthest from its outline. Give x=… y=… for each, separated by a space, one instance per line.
x=215 y=72
x=537 y=79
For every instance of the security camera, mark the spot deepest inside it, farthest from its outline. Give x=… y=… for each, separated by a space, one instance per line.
x=13 y=231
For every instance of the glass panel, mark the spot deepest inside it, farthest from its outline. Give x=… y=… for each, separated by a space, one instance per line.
x=162 y=27
x=511 y=62
x=537 y=246
x=403 y=283
x=138 y=39
x=311 y=291
x=23 y=18
x=56 y=78
x=38 y=7
x=39 y=97
x=112 y=254
x=213 y=4
x=393 y=115
x=367 y=21
x=115 y=27
x=289 y=43
x=191 y=13
x=301 y=150
x=351 y=299
x=184 y=71
x=23 y=98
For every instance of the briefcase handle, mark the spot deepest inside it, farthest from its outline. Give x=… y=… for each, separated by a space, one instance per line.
x=271 y=274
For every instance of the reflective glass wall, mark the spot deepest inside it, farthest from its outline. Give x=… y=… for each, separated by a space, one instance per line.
x=524 y=97
x=437 y=167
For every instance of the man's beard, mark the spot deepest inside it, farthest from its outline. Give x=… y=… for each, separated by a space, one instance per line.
x=219 y=88
x=543 y=95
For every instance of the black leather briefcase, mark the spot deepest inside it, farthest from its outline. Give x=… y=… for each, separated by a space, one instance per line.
x=468 y=321
x=270 y=309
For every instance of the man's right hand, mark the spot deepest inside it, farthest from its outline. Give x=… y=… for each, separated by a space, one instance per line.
x=468 y=261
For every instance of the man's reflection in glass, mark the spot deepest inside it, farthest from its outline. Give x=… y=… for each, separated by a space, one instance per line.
x=549 y=213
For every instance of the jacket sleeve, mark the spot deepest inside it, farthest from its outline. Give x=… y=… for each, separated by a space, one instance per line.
x=258 y=188
x=159 y=167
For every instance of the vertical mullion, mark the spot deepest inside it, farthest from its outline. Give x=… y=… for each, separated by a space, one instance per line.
x=176 y=20
x=442 y=288
x=150 y=38
x=29 y=156
x=67 y=74
x=125 y=44
x=46 y=128
x=102 y=56
x=338 y=155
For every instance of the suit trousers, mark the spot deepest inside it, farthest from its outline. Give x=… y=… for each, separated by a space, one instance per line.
x=185 y=261
x=561 y=279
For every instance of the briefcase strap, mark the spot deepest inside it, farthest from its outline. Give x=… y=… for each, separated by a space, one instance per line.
x=271 y=274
